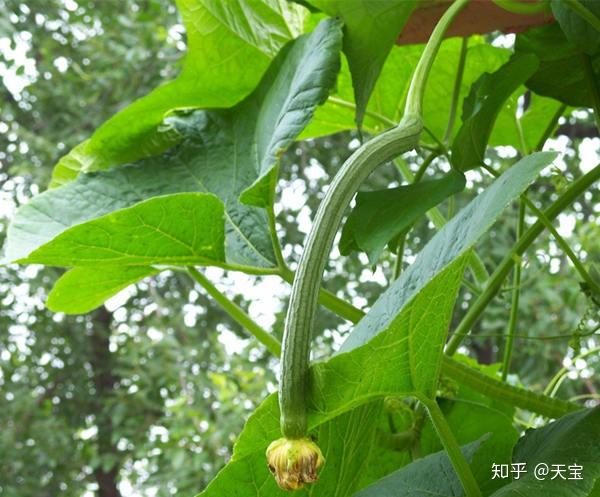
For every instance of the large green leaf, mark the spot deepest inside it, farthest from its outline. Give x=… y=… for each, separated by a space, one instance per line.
x=385 y=456
x=577 y=30
x=184 y=229
x=82 y=289
x=430 y=476
x=348 y=441
x=561 y=73
x=229 y=153
x=409 y=341
x=571 y=440
x=453 y=240
x=395 y=349
x=222 y=37
x=371 y=28
x=387 y=101
x=483 y=104
x=380 y=216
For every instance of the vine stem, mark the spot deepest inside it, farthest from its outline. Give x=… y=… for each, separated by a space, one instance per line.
x=236 y=312
x=414 y=99
x=565 y=247
x=551 y=127
x=495 y=282
x=586 y=396
x=502 y=391
x=274 y=238
x=303 y=300
x=325 y=297
x=399 y=254
x=514 y=305
x=457 y=458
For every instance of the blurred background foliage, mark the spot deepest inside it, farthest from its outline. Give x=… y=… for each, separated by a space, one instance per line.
x=144 y=397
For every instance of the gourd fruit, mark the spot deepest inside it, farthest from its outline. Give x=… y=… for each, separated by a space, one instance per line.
x=295 y=459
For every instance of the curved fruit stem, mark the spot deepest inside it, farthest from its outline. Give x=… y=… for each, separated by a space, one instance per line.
x=303 y=301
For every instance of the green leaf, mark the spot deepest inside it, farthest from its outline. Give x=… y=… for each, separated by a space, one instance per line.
x=222 y=37
x=82 y=289
x=430 y=476
x=480 y=58
x=394 y=350
x=453 y=240
x=385 y=457
x=349 y=441
x=69 y=166
x=480 y=109
x=229 y=153
x=571 y=440
x=185 y=229
x=577 y=30
x=371 y=29
x=380 y=216
x=561 y=73
x=408 y=337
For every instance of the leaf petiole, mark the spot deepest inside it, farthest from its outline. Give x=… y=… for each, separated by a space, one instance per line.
x=457 y=458
x=236 y=312
x=514 y=305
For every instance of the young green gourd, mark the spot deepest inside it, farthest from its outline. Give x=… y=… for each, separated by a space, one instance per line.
x=295 y=459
